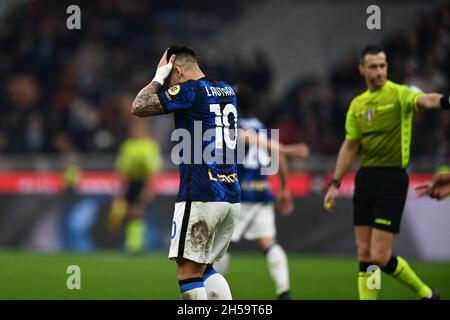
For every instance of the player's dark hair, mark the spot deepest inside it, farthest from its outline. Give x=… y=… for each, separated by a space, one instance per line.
x=246 y=98
x=180 y=50
x=370 y=49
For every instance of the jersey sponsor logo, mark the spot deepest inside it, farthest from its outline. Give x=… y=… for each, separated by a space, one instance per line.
x=228 y=178
x=173 y=90
x=256 y=185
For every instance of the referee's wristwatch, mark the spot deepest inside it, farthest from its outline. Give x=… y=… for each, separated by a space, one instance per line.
x=334 y=182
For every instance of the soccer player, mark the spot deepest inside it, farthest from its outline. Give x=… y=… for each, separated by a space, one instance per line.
x=208 y=201
x=379 y=121
x=138 y=160
x=257 y=219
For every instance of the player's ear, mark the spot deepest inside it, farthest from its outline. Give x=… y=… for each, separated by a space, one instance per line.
x=178 y=71
x=361 y=69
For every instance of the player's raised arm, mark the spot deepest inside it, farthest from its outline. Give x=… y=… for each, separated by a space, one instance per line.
x=295 y=150
x=251 y=137
x=147 y=103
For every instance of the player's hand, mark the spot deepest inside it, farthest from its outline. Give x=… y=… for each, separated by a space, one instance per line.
x=330 y=198
x=438 y=189
x=441 y=186
x=164 y=68
x=296 y=150
x=284 y=202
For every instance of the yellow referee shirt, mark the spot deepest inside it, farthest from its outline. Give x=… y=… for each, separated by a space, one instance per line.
x=382 y=120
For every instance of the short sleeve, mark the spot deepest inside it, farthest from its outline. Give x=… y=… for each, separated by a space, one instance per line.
x=178 y=97
x=351 y=128
x=408 y=98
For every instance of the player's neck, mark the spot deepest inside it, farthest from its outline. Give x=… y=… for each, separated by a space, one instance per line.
x=195 y=75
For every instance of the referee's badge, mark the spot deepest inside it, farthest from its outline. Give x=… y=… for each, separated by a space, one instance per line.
x=369 y=115
x=173 y=90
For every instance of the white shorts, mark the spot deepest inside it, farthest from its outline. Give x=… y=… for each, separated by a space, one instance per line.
x=201 y=231
x=256 y=221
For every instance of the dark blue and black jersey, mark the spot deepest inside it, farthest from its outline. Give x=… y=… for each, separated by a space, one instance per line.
x=254 y=185
x=205 y=114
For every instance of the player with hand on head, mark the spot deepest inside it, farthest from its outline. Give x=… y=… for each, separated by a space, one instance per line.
x=257 y=219
x=208 y=200
x=379 y=121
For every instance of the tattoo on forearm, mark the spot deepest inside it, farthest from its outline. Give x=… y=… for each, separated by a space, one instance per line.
x=147 y=102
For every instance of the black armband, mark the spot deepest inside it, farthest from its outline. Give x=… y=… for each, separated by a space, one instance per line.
x=334 y=182
x=445 y=102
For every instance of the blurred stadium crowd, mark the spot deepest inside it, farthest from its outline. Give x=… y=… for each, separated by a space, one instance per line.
x=66 y=90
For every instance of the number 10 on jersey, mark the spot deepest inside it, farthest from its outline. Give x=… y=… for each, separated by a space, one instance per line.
x=223 y=125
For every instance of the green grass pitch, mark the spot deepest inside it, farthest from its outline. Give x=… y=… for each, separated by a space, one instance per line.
x=112 y=275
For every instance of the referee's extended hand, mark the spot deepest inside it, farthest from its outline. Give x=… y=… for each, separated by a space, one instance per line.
x=330 y=198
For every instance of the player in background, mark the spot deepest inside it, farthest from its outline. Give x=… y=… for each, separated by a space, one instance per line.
x=257 y=219
x=71 y=175
x=139 y=159
x=379 y=122
x=208 y=200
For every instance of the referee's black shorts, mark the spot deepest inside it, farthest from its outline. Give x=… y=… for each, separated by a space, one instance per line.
x=134 y=190
x=379 y=198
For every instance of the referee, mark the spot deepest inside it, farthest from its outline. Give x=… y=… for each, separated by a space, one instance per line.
x=380 y=122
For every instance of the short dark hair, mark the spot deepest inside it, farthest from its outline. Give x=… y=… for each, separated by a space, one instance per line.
x=180 y=50
x=370 y=49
